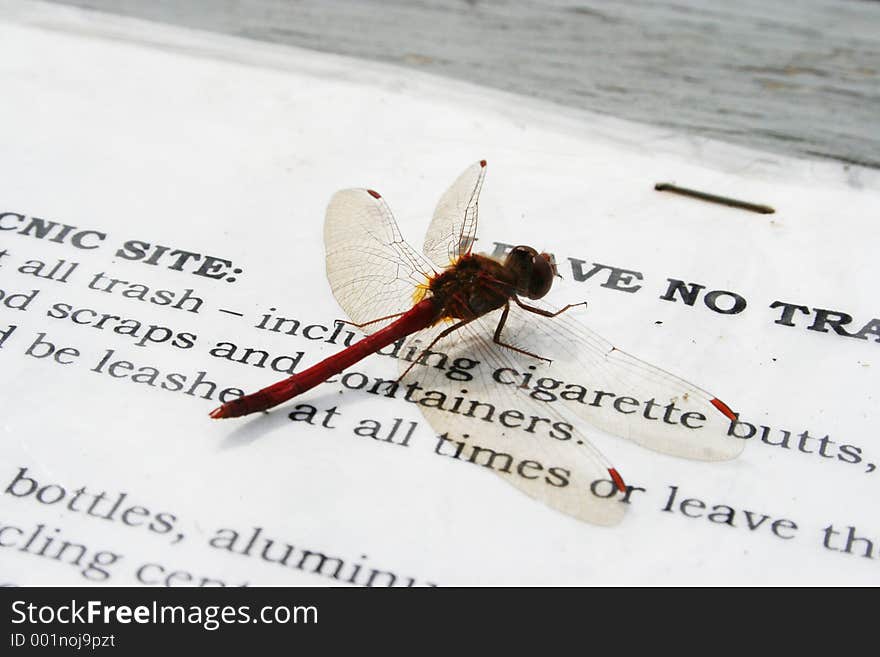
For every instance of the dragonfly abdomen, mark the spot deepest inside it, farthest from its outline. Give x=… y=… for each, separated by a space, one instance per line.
x=420 y=316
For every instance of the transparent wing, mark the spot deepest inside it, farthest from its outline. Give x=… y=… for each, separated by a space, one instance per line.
x=619 y=393
x=493 y=426
x=372 y=271
x=454 y=225
x=529 y=421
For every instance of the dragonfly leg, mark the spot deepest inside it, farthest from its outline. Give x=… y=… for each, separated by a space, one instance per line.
x=497 y=337
x=442 y=335
x=547 y=313
x=372 y=321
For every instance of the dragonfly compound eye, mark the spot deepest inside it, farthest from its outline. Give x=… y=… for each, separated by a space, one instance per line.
x=543 y=272
x=533 y=272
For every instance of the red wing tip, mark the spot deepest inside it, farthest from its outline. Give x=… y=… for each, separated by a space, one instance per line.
x=374 y=193
x=617 y=479
x=482 y=163
x=724 y=408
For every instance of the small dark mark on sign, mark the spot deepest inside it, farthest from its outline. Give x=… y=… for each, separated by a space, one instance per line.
x=713 y=198
x=231 y=312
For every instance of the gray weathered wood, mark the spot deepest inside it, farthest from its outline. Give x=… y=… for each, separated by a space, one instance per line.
x=799 y=78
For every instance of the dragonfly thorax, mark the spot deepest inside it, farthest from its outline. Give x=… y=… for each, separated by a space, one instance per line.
x=473 y=286
x=477 y=284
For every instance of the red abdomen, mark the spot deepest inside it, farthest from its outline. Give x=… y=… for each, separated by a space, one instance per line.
x=420 y=316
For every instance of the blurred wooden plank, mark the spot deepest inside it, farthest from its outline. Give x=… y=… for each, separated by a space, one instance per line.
x=798 y=79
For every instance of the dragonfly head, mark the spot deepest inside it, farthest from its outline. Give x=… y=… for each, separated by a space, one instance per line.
x=533 y=272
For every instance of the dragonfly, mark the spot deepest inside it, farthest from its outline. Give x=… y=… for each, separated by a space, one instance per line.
x=507 y=382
